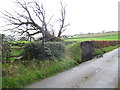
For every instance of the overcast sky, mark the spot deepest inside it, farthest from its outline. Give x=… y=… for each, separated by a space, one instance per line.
x=83 y=15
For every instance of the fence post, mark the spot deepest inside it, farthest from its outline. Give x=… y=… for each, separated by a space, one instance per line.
x=1 y=41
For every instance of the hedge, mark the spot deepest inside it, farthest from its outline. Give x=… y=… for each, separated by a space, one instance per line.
x=51 y=49
x=104 y=43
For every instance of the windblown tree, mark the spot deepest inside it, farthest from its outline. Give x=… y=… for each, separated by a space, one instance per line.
x=32 y=21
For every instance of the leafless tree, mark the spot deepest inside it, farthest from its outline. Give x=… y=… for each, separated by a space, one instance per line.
x=62 y=20
x=32 y=19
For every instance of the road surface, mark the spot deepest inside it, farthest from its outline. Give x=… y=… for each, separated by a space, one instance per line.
x=96 y=73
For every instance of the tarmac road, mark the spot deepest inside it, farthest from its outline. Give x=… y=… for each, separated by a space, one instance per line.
x=96 y=73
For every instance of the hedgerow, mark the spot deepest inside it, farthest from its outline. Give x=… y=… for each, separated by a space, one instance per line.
x=104 y=43
x=51 y=49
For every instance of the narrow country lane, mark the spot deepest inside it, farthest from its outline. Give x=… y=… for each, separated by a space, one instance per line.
x=96 y=73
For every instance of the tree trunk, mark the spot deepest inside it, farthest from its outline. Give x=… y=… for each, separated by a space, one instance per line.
x=59 y=34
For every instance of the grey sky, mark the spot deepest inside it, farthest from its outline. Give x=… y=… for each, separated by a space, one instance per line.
x=84 y=15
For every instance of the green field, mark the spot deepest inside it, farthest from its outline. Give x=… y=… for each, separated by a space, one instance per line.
x=95 y=34
x=104 y=38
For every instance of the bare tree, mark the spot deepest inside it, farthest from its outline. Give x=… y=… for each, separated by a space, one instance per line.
x=62 y=20
x=33 y=19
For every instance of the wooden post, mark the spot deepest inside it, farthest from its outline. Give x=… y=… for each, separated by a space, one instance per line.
x=1 y=41
x=43 y=40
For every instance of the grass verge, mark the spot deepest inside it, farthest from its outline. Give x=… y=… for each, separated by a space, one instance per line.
x=20 y=74
x=23 y=75
x=74 y=51
x=106 y=49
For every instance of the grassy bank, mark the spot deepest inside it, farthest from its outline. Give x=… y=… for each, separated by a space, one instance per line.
x=106 y=49
x=20 y=74
x=74 y=51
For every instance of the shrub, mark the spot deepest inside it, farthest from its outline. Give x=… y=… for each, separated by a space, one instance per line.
x=69 y=42
x=51 y=49
x=57 y=48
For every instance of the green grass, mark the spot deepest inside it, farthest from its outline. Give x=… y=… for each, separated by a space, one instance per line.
x=16 y=52
x=105 y=38
x=106 y=49
x=22 y=73
x=0 y=81
x=0 y=74
x=74 y=51
x=118 y=86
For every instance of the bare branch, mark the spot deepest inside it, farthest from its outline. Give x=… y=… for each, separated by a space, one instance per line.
x=50 y=19
x=62 y=20
x=33 y=18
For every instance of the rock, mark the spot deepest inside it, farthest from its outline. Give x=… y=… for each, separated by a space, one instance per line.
x=87 y=50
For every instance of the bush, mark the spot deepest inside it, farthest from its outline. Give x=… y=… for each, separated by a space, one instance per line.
x=57 y=48
x=51 y=49
x=69 y=42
